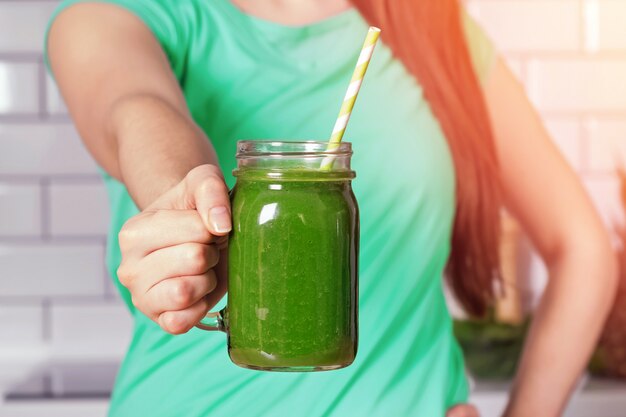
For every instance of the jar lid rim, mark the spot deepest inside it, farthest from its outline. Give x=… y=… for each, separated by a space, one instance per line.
x=247 y=148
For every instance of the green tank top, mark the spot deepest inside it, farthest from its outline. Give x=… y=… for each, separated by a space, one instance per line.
x=247 y=78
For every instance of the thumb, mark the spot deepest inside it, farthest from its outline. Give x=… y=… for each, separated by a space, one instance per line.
x=208 y=194
x=204 y=190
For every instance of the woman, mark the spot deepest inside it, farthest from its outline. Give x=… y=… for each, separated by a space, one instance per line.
x=161 y=89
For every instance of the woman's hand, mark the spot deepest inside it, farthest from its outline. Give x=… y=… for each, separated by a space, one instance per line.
x=173 y=252
x=463 y=410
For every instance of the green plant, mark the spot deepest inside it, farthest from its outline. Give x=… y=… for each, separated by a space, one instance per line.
x=491 y=349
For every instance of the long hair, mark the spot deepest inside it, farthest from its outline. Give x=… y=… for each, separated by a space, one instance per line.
x=427 y=37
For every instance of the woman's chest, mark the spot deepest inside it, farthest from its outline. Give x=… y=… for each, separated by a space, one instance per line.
x=404 y=168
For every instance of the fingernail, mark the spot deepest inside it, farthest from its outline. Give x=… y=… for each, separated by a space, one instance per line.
x=220 y=218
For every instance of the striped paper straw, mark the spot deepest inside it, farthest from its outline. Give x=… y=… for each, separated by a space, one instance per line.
x=353 y=90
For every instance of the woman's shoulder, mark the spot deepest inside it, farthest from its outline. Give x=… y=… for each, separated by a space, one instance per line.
x=174 y=11
x=481 y=48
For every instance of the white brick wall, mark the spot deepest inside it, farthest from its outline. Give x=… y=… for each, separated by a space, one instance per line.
x=54 y=101
x=53 y=208
x=51 y=269
x=23 y=24
x=105 y=324
x=604 y=190
x=20 y=205
x=43 y=149
x=21 y=323
x=609 y=29
x=78 y=208
x=607 y=147
x=527 y=25
x=19 y=83
x=578 y=84
x=570 y=55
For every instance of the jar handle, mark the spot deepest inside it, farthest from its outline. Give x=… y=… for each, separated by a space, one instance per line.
x=213 y=321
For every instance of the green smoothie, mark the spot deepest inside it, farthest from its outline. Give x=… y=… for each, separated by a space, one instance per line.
x=292 y=291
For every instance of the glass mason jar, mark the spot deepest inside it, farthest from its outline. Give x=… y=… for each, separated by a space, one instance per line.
x=293 y=257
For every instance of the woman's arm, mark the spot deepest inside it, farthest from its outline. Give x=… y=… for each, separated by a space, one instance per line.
x=543 y=192
x=124 y=99
x=132 y=117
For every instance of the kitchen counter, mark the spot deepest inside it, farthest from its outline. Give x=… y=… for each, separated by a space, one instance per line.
x=57 y=381
x=597 y=398
x=600 y=399
x=42 y=382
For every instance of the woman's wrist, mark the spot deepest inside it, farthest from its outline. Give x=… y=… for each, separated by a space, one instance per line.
x=156 y=147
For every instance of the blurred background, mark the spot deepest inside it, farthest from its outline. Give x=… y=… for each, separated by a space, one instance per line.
x=63 y=329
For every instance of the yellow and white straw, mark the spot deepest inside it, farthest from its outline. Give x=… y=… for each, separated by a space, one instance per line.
x=353 y=90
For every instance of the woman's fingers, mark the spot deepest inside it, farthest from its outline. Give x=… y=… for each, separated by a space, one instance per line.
x=463 y=410
x=175 y=261
x=152 y=230
x=202 y=189
x=211 y=198
x=179 y=322
x=175 y=294
x=139 y=275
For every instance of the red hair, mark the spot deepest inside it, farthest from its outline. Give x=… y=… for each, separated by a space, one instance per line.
x=428 y=37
